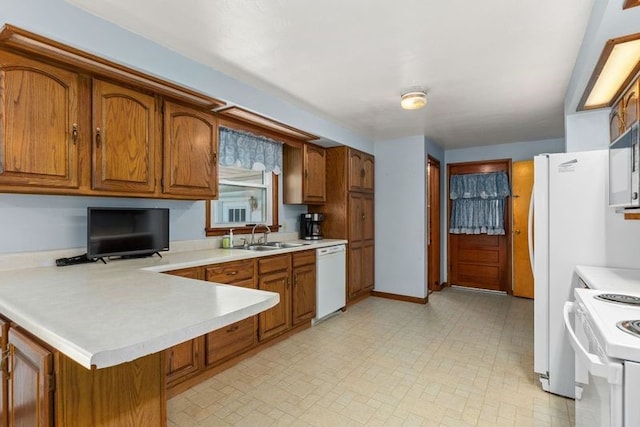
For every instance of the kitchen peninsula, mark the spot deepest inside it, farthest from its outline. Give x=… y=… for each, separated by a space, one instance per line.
x=98 y=331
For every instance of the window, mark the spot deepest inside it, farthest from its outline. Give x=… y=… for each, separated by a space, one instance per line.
x=244 y=197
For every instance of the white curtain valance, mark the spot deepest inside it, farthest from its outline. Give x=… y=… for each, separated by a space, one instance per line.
x=248 y=151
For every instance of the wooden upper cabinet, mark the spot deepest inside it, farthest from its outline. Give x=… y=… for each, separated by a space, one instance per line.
x=39 y=125
x=190 y=152
x=631 y=104
x=616 y=121
x=304 y=174
x=30 y=400
x=361 y=171
x=124 y=139
x=314 y=188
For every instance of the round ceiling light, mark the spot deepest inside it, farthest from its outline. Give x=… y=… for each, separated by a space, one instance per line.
x=413 y=99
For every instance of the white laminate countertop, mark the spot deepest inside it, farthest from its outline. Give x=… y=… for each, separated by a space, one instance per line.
x=104 y=315
x=610 y=279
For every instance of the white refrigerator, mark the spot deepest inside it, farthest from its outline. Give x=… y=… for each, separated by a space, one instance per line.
x=570 y=203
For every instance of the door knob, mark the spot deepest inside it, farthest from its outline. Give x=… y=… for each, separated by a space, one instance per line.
x=517 y=231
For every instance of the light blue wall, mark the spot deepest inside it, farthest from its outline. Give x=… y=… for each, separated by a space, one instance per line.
x=33 y=223
x=400 y=216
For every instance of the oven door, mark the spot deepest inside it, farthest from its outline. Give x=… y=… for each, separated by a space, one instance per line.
x=599 y=379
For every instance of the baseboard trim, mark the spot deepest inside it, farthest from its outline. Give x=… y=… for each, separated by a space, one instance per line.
x=399 y=297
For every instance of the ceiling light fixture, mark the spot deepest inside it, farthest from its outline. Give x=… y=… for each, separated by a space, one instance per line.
x=618 y=64
x=413 y=99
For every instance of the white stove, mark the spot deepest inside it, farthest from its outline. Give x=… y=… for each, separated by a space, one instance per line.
x=603 y=318
x=607 y=358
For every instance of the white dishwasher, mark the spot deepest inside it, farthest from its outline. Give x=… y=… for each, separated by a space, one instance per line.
x=331 y=275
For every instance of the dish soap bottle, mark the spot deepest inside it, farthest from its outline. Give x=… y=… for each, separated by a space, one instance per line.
x=226 y=242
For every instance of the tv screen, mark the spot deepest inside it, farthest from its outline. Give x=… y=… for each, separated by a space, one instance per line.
x=126 y=231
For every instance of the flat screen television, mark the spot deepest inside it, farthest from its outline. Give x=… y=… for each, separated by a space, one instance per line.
x=126 y=232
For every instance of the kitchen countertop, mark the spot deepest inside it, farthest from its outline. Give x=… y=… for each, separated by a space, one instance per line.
x=610 y=279
x=104 y=315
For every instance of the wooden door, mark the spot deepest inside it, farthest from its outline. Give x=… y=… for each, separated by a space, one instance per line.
x=30 y=387
x=356 y=224
x=522 y=181
x=433 y=226
x=481 y=261
x=368 y=265
x=368 y=176
x=4 y=330
x=314 y=174
x=356 y=171
x=39 y=130
x=125 y=139
x=303 y=293
x=190 y=152
x=631 y=101
x=277 y=319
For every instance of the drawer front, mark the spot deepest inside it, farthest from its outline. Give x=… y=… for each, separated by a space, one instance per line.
x=303 y=258
x=230 y=272
x=230 y=340
x=274 y=263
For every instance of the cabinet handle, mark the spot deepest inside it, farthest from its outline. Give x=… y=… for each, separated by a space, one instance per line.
x=214 y=158
x=363 y=217
x=98 y=137
x=233 y=328
x=306 y=174
x=288 y=282
x=74 y=132
x=232 y=273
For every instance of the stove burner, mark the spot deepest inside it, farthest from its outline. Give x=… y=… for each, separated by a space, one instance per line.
x=630 y=326
x=619 y=298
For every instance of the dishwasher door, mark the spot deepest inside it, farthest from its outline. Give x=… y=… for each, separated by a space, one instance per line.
x=331 y=280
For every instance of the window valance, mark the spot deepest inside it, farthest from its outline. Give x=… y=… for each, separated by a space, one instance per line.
x=478 y=202
x=479 y=186
x=248 y=151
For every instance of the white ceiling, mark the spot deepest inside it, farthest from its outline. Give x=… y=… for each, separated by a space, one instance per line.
x=496 y=71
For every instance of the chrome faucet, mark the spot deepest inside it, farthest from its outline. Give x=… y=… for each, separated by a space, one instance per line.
x=253 y=232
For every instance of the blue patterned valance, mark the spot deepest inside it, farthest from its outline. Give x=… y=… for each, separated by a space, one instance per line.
x=479 y=186
x=478 y=203
x=248 y=151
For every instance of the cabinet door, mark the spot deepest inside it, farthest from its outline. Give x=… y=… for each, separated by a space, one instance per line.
x=356 y=171
x=631 y=104
x=314 y=174
x=125 y=139
x=368 y=166
x=354 y=266
x=30 y=391
x=190 y=152
x=4 y=330
x=231 y=272
x=183 y=360
x=616 y=121
x=39 y=132
x=189 y=273
x=368 y=211
x=277 y=319
x=368 y=265
x=303 y=293
x=356 y=223
x=230 y=340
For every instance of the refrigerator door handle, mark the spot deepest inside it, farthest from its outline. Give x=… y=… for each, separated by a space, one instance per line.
x=530 y=234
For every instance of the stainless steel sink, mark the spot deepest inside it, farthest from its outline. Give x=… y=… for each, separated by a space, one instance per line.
x=270 y=246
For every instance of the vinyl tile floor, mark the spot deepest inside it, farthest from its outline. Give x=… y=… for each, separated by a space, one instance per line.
x=463 y=359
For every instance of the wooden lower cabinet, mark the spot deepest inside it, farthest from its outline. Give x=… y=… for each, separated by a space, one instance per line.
x=238 y=337
x=277 y=319
x=186 y=359
x=183 y=360
x=30 y=382
x=303 y=287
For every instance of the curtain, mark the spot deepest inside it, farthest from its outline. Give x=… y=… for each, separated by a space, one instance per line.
x=478 y=203
x=248 y=151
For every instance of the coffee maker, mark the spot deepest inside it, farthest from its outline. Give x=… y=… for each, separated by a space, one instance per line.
x=311 y=226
